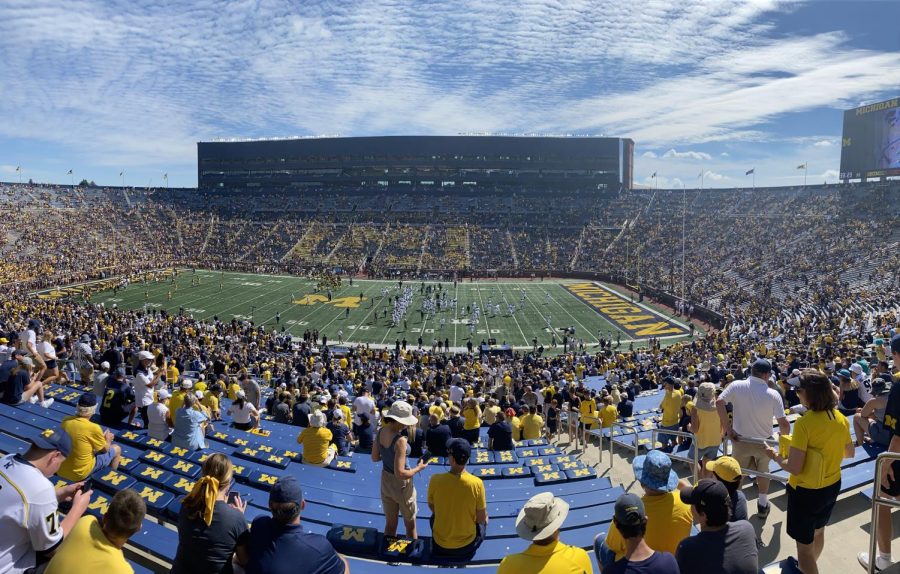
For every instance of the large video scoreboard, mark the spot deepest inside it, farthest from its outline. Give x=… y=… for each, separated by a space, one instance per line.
x=870 y=147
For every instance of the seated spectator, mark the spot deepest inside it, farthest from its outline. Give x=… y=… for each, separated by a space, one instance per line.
x=181 y=390
x=158 y=414
x=726 y=470
x=211 y=531
x=92 y=447
x=281 y=411
x=539 y=522
x=721 y=547
x=459 y=510
x=340 y=434
x=532 y=423
x=118 y=400
x=316 y=441
x=630 y=520
x=30 y=529
x=189 y=425
x=669 y=519
x=244 y=415
x=19 y=388
x=301 y=411
x=364 y=433
x=96 y=545
x=868 y=424
x=437 y=436
x=278 y=544
x=626 y=407
x=500 y=434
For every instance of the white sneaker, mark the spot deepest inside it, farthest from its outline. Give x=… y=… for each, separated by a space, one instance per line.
x=46 y=403
x=33 y=400
x=880 y=563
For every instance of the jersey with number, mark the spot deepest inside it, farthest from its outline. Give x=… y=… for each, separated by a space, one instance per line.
x=28 y=518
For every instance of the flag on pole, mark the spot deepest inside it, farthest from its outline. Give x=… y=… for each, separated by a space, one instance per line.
x=801 y=166
x=18 y=168
x=121 y=173
x=654 y=175
x=166 y=175
x=751 y=171
x=700 y=175
x=69 y=172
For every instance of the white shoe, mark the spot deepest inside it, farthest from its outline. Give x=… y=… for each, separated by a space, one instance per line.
x=46 y=403
x=33 y=400
x=880 y=563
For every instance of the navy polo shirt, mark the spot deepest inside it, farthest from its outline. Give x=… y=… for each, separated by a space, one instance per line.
x=286 y=549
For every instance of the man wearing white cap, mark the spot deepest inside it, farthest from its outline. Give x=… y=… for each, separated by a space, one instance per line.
x=144 y=383
x=100 y=378
x=539 y=521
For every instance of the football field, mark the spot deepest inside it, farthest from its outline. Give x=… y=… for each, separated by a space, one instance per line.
x=511 y=312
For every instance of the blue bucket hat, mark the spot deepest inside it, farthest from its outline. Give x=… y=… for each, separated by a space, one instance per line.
x=654 y=470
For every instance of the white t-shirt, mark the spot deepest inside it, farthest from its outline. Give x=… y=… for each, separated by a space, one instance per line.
x=27 y=336
x=755 y=405
x=456 y=394
x=28 y=518
x=157 y=427
x=363 y=404
x=241 y=415
x=100 y=383
x=45 y=348
x=142 y=391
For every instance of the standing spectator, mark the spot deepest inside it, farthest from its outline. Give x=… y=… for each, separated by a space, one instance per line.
x=96 y=545
x=890 y=473
x=363 y=404
x=532 y=424
x=316 y=441
x=244 y=416
x=458 y=505
x=145 y=382
x=539 y=522
x=100 y=377
x=281 y=411
x=398 y=493
x=189 y=425
x=630 y=520
x=211 y=531
x=721 y=547
x=671 y=410
x=92 y=447
x=819 y=442
x=29 y=523
x=500 y=434
x=437 y=436
x=706 y=426
x=83 y=356
x=158 y=413
x=755 y=404
x=276 y=542
x=20 y=387
x=118 y=400
x=669 y=519
x=455 y=422
x=28 y=343
x=472 y=420
x=251 y=390
x=726 y=470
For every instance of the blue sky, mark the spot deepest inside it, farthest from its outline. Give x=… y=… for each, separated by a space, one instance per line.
x=701 y=86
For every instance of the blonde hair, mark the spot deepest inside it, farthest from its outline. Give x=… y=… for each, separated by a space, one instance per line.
x=217 y=474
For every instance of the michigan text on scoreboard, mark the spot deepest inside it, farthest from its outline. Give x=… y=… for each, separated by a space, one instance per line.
x=635 y=320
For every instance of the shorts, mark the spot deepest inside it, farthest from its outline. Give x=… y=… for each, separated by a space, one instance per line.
x=586 y=426
x=102 y=460
x=329 y=456
x=809 y=510
x=750 y=456
x=880 y=434
x=665 y=437
x=51 y=364
x=707 y=452
x=398 y=496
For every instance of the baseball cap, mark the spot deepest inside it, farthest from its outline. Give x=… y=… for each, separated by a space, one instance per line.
x=163 y=394
x=187 y=384
x=34 y=324
x=856 y=368
x=762 y=366
x=286 y=489
x=56 y=440
x=85 y=338
x=145 y=356
x=241 y=395
x=710 y=497
x=104 y=365
x=27 y=361
x=338 y=414
x=20 y=352
x=629 y=510
x=654 y=470
x=459 y=449
x=87 y=400
x=844 y=373
x=120 y=372
x=895 y=344
x=725 y=467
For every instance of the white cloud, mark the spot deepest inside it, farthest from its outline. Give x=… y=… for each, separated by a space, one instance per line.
x=830 y=175
x=824 y=143
x=713 y=176
x=698 y=155
x=649 y=154
x=724 y=154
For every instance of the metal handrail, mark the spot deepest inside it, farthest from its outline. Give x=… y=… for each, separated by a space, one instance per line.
x=595 y=420
x=878 y=500
x=696 y=457
x=749 y=472
x=628 y=429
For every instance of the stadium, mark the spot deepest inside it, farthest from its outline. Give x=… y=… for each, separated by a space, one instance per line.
x=410 y=353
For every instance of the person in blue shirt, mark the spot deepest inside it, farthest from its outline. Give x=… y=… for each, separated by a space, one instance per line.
x=437 y=436
x=277 y=541
x=365 y=435
x=118 y=400
x=340 y=433
x=189 y=425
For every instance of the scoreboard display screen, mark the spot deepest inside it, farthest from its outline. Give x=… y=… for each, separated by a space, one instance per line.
x=870 y=146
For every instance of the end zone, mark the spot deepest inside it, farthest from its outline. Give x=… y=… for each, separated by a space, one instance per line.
x=636 y=319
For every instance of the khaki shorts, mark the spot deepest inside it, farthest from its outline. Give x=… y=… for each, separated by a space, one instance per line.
x=750 y=456
x=398 y=496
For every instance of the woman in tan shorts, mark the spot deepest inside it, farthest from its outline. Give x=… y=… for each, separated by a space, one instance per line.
x=398 y=494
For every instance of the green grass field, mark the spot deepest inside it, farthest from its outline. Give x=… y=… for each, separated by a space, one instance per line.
x=260 y=297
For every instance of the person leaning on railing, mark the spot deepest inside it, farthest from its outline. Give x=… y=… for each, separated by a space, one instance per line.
x=820 y=441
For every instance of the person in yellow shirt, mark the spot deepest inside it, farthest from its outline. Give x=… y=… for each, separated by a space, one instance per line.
x=177 y=398
x=588 y=411
x=669 y=520
x=233 y=388
x=458 y=505
x=211 y=402
x=172 y=373
x=92 y=447
x=96 y=545
x=490 y=412
x=516 y=424
x=200 y=385
x=539 y=521
x=316 y=441
x=608 y=414
x=706 y=426
x=532 y=423
x=671 y=410
x=471 y=414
